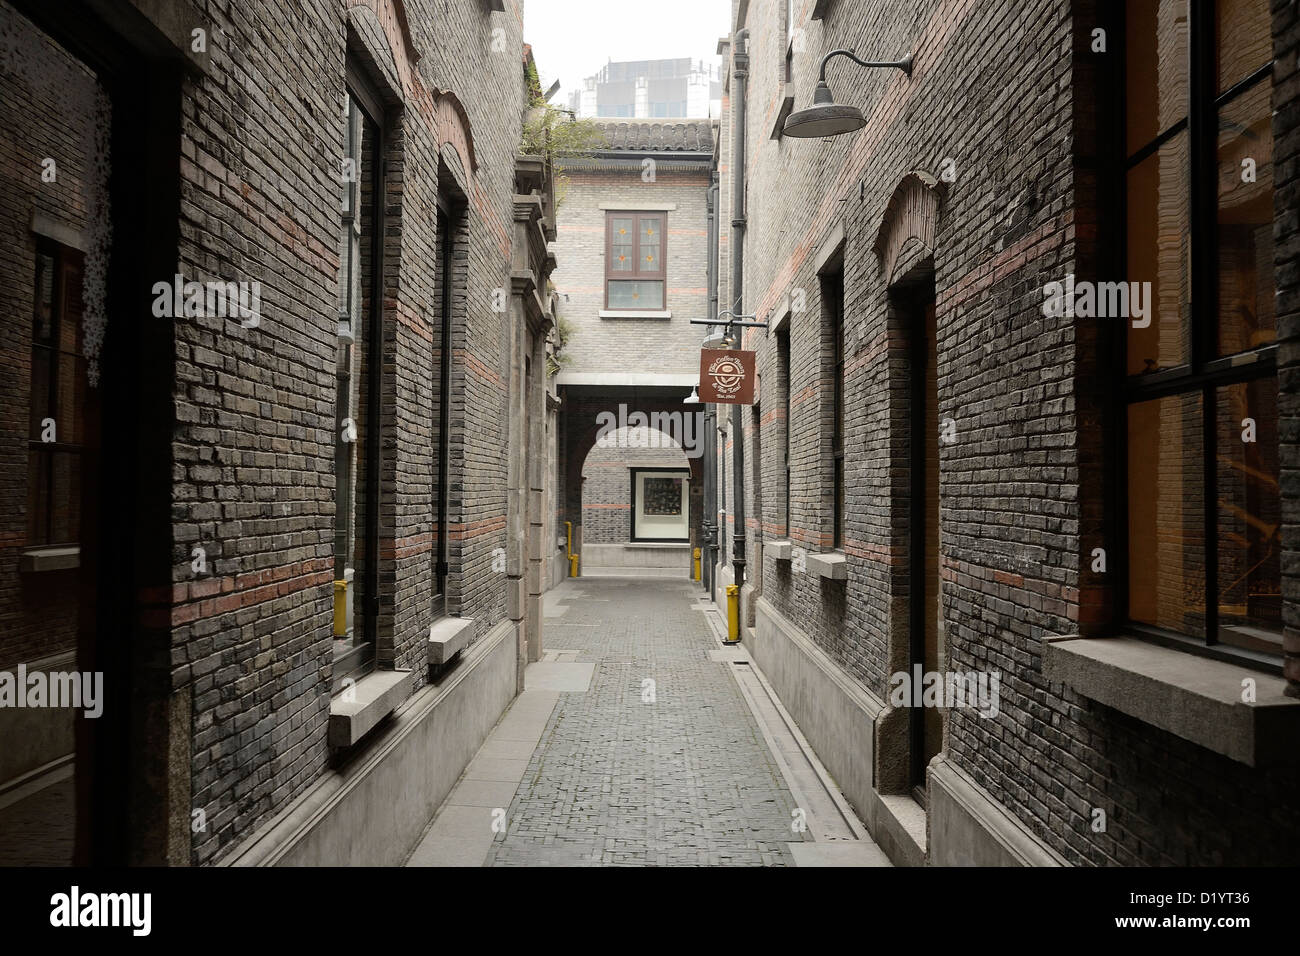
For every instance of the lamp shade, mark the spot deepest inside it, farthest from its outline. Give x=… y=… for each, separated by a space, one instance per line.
x=824 y=118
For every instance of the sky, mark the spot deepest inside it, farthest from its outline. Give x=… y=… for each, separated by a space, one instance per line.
x=572 y=39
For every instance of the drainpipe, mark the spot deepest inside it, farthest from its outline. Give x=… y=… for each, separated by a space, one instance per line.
x=739 y=74
x=710 y=467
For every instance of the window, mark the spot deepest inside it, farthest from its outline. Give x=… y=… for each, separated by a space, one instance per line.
x=58 y=392
x=783 y=379
x=1203 y=496
x=634 y=260
x=356 y=445
x=442 y=476
x=833 y=309
x=660 y=504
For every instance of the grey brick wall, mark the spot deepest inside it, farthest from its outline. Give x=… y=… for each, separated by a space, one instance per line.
x=607 y=484
x=48 y=110
x=262 y=145
x=1005 y=92
x=622 y=344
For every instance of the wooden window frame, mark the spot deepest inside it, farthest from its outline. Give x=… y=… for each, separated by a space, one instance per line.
x=661 y=275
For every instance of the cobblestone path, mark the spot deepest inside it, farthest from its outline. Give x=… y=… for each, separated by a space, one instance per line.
x=660 y=760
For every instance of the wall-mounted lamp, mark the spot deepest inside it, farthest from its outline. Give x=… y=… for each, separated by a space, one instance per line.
x=826 y=117
x=693 y=398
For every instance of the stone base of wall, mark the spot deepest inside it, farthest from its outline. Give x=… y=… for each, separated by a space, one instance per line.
x=633 y=555
x=968 y=828
x=372 y=811
x=37 y=737
x=838 y=716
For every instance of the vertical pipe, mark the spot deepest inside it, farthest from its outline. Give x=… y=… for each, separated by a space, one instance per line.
x=710 y=478
x=739 y=75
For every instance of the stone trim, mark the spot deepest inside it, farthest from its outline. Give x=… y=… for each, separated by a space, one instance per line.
x=35 y=560
x=359 y=708
x=1193 y=697
x=832 y=565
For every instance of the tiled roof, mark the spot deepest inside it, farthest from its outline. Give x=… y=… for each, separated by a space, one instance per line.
x=684 y=136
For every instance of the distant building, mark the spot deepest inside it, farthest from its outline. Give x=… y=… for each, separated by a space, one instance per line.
x=649 y=89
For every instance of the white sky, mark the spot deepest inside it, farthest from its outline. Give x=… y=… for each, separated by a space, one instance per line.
x=572 y=39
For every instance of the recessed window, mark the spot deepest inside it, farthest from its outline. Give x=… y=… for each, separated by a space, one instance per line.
x=635 y=277
x=1203 y=483
x=58 y=398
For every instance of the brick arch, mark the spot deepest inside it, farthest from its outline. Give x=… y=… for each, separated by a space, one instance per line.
x=911 y=217
x=443 y=109
x=454 y=129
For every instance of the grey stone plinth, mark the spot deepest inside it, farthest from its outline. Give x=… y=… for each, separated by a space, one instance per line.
x=832 y=565
x=359 y=707
x=448 y=637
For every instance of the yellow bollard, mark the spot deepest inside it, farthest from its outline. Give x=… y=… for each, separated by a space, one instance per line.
x=733 y=614
x=697 y=564
x=568 y=549
x=340 y=608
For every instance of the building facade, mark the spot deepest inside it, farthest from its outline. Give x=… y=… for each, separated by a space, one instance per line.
x=633 y=243
x=277 y=323
x=1025 y=421
x=649 y=89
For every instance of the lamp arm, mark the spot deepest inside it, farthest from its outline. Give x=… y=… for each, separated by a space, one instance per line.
x=904 y=64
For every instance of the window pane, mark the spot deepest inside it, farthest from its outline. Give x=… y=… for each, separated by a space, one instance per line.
x=1156 y=64
x=72 y=399
x=1157 y=253
x=40 y=404
x=1166 y=514
x=1250 y=516
x=1243 y=39
x=636 y=295
x=65 y=517
x=622 y=244
x=38 y=496
x=1246 y=295
x=650 y=235
x=43 y=313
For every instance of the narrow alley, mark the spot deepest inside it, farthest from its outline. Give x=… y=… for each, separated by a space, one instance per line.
x=642 y=739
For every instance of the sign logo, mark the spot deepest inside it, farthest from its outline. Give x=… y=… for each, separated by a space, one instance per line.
x=727 y=376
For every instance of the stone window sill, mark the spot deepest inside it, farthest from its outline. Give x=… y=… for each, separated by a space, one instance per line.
x=658 y=545
x=448 y=637
x=50 y=559
x=1193 y=697
x=832 y=565
x=355 y=710
x=780 y=550
x=635 y=314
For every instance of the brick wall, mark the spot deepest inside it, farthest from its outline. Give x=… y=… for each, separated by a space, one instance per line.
x=1001 y=90
x=263 y=139
x=607 y=483
x=621 y=344
x=51 y=107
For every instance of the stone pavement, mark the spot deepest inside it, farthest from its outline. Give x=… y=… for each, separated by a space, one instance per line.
x=633 y=744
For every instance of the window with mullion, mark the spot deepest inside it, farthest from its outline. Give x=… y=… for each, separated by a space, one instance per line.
x=57 y=398
x=1203 y=497
x=634 y=260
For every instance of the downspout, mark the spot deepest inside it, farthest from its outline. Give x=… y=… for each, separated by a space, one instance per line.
x=739 y=75
x=710 y=467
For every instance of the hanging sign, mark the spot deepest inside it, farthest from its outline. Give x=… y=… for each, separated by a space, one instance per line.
x=727 y=376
